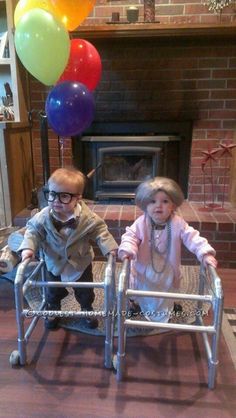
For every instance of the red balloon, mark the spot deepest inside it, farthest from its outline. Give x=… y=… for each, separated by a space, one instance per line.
x=84 y=64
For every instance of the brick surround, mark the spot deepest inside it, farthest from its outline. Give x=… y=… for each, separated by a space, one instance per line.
x=161 y=79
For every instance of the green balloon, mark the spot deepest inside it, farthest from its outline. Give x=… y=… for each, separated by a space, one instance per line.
x=43 y=45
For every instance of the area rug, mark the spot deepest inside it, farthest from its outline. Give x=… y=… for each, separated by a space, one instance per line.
x=229 y=331
x=189 y=284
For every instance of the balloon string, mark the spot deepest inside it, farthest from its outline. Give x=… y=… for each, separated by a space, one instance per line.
x=62 y=143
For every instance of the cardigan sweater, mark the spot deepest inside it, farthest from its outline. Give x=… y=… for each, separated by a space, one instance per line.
x=75 y=249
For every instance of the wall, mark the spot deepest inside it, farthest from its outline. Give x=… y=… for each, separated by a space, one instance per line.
x=163 y=79
x=167 y=11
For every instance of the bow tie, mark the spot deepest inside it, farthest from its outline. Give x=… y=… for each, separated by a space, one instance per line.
x=71 y=223
x=159 y=227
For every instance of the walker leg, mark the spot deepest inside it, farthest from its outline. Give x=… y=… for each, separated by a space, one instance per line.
x=212 y=370
x=120 y=359
x=109 y=301
x=108 y=342
x=213 y=363
x=20 y=324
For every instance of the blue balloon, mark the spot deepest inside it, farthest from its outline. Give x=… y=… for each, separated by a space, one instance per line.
x=70 y=108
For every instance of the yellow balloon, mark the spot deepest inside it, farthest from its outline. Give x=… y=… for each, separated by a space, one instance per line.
x=72 y=12
x=24 y=6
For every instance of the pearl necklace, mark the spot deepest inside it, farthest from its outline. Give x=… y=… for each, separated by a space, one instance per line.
x=159 y=234
x=156 y=249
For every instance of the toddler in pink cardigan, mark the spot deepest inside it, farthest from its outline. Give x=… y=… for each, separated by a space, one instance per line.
x=153 y=243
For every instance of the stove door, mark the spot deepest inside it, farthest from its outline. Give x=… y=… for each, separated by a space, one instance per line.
x=124 y=167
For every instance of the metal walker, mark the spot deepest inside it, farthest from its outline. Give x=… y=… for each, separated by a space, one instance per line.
x=208 y=281
x=22 y=283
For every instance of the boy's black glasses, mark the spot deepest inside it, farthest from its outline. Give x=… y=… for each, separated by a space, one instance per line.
x=63 y=197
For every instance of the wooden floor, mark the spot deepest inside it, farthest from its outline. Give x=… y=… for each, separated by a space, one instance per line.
x=65 y=377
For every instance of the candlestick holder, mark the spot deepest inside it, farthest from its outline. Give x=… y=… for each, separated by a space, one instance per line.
x=149 y=11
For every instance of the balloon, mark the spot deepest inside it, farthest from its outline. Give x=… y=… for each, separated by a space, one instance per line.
x=84 y=64
x=43 y=45
x=70 y=108
x=24 y=6
x=72 y=12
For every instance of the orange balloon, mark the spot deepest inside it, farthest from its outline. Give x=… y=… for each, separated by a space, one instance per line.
x=72 y=12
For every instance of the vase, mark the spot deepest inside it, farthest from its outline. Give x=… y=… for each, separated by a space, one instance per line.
x=149 y=10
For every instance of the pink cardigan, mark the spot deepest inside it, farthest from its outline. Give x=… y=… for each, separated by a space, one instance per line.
x=136 y=241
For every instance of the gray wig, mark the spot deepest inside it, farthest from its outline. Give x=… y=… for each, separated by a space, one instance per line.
x=148 y=189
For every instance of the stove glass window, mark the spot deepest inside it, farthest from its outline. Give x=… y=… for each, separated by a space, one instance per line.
x=126 y=167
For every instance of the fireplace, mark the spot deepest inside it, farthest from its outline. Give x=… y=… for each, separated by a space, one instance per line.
x=125 y=153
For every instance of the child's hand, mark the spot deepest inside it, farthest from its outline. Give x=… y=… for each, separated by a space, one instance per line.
x=123 y=255
x=27 y=254
x=113 y=253
x=209 y=259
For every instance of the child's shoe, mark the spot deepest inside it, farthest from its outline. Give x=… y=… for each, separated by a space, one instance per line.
x=177 y=308
x=134 y=308
x=51 y=322
x=89 y=321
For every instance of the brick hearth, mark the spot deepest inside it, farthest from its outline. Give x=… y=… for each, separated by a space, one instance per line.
x=217 y=226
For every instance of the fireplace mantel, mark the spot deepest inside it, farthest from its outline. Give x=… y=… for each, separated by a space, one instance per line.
x=155 y=30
